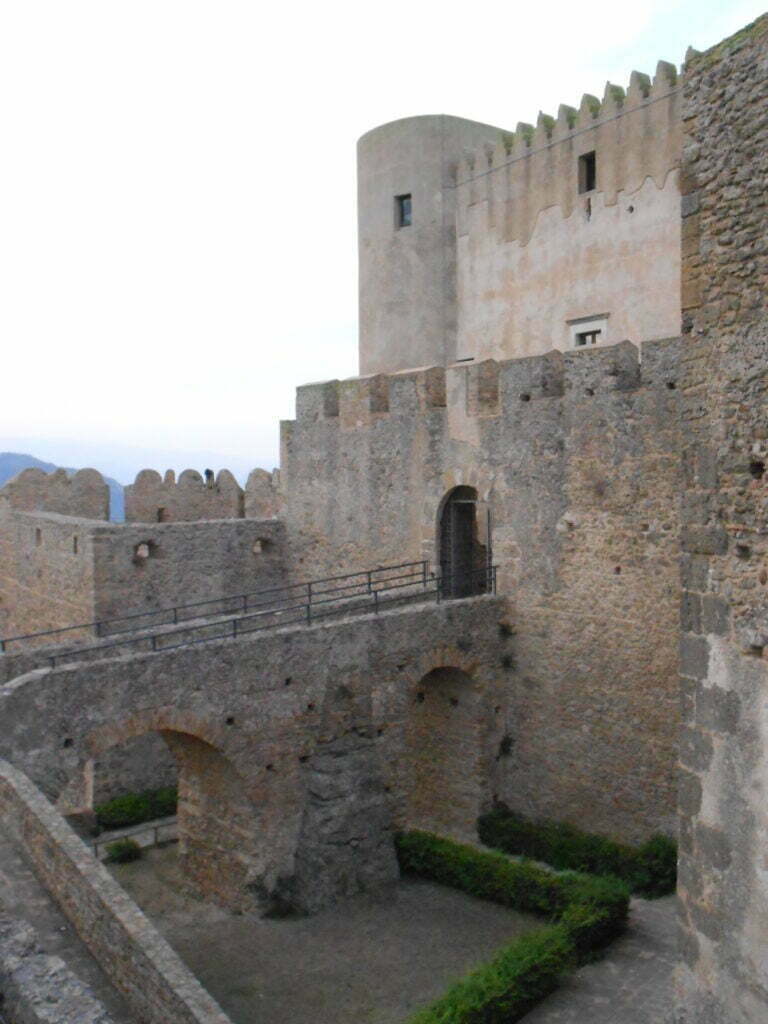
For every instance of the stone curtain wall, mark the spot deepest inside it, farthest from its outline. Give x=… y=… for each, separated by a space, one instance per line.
x=84 y=494
x=310 y=722
x=185 y=562
x=724 y=749
x=134 y=956
x=534 y=253
x=46 y=572
x=577 y=458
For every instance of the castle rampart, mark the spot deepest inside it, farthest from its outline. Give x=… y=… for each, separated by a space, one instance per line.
x=56 y=571
x=575 y=457
x=83 y=494
x=568 y=227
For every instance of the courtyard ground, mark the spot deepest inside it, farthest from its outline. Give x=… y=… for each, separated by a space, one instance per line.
x=363 y=963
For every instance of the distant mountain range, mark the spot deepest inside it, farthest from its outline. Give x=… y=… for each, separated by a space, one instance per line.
x=12 y=463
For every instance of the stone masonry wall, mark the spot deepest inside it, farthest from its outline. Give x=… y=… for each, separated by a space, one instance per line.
x=155 y=499
x=56 y=571
x=84 y=494
x=293 y=745
x=46 y=572
x=157 y=565
x=724 y=647
x=134 y=956
x=36 y=988
x=576 y=457
x=535 y=254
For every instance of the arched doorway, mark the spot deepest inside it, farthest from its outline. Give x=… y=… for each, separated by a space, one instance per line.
x=464 y=543
x=442 y=757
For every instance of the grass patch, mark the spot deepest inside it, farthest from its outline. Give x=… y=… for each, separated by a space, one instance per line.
x=649 y=870
x=136 y=808
x=584 y=914
x=122 y=851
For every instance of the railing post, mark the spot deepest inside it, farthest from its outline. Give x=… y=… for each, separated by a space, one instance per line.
x=2 y=646
x=154 y=641
x=234 y=627
x=370 y=578
x=309 y=613
x=309 y=593
x=175 y=616
x=439 y=588
x=98 y=628
x=424 y=567
x=245 y=603
x=376 y=601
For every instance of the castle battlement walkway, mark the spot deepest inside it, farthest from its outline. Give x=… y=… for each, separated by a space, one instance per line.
x=235 y=615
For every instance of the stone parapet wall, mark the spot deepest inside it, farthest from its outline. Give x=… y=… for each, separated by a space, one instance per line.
x=138 y=961
x=724 y=644
x=576 y=456
x=155 y=499
x=37 y=988
x=84 y=494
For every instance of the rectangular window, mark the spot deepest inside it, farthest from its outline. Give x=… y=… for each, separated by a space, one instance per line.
x=586 y=338
x=589 y=331
x=403 y=211
x=587 y=172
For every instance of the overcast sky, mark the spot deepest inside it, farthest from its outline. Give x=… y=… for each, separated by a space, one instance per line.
x=177 y=193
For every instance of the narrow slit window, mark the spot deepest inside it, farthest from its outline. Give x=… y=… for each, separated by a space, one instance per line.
x=587 y=172
x=403 y=211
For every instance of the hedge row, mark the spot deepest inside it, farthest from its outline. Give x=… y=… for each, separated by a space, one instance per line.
x=649 y=870
x=136 y=808
x=585 y=914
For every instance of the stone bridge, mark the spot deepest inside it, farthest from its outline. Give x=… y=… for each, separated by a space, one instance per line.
x=298 y=750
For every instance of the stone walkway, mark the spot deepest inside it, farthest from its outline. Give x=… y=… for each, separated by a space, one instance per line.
x=631 y=985
x=22 y=896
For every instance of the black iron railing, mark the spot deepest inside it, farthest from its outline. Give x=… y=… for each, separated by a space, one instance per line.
x=315 y=607
x=310 y=592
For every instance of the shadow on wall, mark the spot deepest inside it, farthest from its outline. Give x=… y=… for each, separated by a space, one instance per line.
x=443 y=788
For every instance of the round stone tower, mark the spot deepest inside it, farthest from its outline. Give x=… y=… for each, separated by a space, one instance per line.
x=407 y=239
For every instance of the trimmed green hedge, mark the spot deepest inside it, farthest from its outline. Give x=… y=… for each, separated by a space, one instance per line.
x=136 y=808
x=122 y=851
x=585 y=914
x=649 y=870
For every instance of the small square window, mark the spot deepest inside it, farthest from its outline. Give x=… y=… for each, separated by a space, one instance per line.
x=589 y=332
x=403 y=211
x=587 y=172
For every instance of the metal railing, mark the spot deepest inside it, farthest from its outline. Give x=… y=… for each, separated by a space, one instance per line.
x=390 y=591
x=126 y=833
x=272 y=597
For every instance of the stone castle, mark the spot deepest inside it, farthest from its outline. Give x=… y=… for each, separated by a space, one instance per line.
x=558 y=439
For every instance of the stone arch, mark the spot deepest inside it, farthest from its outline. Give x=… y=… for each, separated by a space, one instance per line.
x=462 y=544
x=442 y=754
x=232 y=836
x=467 y=474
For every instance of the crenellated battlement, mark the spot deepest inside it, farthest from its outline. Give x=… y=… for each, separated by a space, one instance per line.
x=195 y=497
x=491 y=387
x=591 y=113
x=164 y=499
x=84 y=494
